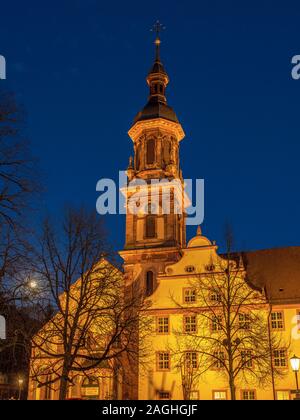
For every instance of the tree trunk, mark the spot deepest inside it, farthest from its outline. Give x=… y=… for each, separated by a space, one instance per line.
x=63 y=386
x=232 y=389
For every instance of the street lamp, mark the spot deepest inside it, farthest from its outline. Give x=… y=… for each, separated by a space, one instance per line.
x=295 y=363
x=32 y=284
x=20 y=382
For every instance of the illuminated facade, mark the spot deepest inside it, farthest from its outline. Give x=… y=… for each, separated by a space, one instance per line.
x=157 y=257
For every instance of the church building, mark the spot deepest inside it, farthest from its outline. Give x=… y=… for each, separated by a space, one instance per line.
x=224 y=326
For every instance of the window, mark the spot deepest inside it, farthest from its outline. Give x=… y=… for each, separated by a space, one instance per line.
x=219 y=395
x=190 y=324
x=280 y=358
x=150 y=226
x=216 y=323
x=244 y=321
x=164 y=395
x=189 y=295
x=298 y=319
x=150 y=151
x=219 y=359
x=246 y=356
x=163 y=325
x=248 y=394
x=191 y=360
x=137 y=159
x=215 y=296
x=282 y=395
x=90 y=388
x=149 y=283
x=163 y=360
x=277 y=321
x=167 y=152
x=194 y=395
x=189 y=269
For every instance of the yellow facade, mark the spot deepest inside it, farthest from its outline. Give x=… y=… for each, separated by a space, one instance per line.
x=97 y=383
x=157 y=384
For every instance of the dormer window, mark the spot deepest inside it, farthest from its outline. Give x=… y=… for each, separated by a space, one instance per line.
x=189 y=269
x=209 y=267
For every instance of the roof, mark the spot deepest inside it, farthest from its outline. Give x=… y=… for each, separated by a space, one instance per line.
x=157 y=67
x=277 y=270
x=156 y=110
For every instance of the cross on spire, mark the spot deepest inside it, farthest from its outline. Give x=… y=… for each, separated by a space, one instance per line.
x=157 y=28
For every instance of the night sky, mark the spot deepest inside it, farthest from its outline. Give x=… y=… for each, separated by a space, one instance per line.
x=79 y=67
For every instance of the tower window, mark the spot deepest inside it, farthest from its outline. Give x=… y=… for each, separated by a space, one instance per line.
x=167 y=151
x=149 y=283
x=150 y=151
x=150 y=226
x=137 y=160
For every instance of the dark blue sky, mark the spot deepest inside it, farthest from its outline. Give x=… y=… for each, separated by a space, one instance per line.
x=79 y=68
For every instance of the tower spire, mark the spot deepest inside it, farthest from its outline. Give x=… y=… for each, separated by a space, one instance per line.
x=157 y=28
x=157 y=78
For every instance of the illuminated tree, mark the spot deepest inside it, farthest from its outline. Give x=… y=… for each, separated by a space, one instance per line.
x=233 y=335
x=96 y=317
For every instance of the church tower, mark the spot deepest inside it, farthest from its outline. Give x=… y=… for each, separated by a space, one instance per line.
x=155 y=232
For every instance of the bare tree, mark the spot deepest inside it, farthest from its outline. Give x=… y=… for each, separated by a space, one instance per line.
x=191 y=371
x=95 y=323
x=233 y=335
x=18 y=185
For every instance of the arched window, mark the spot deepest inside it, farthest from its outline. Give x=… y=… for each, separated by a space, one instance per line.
x=149 y=283
x=137 y=164
x=150 y=151
x=167 y=151
x=150 y=226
